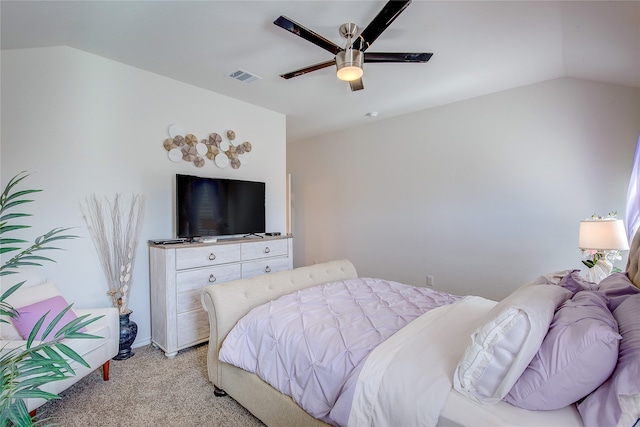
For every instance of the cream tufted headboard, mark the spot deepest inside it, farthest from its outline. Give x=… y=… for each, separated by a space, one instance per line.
x=634 y=259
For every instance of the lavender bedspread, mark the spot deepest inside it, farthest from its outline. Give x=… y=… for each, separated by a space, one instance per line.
x=311 y=344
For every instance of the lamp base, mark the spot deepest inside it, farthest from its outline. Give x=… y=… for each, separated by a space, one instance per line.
x=602 y=269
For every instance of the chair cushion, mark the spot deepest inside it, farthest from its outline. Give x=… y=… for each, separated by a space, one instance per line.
x=29 y=315
x=106 y=328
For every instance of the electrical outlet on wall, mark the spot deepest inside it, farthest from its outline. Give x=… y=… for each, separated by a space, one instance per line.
x=430 y=280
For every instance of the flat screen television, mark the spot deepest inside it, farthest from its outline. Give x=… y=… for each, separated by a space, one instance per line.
x=211 y=207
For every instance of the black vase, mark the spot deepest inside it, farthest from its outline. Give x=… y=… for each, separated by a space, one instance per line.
x=128 y=332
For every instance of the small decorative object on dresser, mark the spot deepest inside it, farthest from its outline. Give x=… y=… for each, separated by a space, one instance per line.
x=601 y=240
x=115 y=228
x=180 y=271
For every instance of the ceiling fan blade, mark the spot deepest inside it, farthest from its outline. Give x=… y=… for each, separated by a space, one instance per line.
x=387 y=15
x=396 y=57
x=307 y=34
x=356 y=85
x=309 y=69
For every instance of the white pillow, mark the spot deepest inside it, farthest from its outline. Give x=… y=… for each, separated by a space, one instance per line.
x=506 y=341
x=25 y=295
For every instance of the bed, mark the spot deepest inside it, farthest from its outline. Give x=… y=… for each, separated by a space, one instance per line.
x=471 y=372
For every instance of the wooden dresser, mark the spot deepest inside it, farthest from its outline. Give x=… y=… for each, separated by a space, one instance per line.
x=178 y=272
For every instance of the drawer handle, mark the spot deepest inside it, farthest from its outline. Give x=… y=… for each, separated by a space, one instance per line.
x=212 y=256
x=267 y=269
x=267 y=250
x=212 y=278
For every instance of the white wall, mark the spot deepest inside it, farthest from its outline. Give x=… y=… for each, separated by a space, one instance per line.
x=83 y=124
x=483 y=194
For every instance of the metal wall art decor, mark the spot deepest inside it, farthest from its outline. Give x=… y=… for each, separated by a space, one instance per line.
x=183 y=146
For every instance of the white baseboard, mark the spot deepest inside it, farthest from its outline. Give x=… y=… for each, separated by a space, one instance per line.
x=141 y=343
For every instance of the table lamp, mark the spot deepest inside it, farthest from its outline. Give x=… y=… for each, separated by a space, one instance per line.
x=601 y=239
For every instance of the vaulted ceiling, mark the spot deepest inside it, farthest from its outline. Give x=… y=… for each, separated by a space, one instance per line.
x=479 y=47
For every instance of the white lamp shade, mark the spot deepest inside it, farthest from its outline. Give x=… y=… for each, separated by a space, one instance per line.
x=603 y=234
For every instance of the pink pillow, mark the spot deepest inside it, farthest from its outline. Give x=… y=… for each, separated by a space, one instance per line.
x=30 y=314
x=578 y=354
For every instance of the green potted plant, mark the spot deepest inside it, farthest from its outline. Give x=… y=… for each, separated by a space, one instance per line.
x=23 y=370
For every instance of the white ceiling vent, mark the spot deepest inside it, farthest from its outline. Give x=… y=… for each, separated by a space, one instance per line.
x=244 y=76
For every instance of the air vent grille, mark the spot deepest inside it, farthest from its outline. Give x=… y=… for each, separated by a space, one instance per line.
x=244 y=76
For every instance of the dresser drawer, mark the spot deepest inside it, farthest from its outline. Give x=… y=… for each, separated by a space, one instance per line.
x=203 y=256
x=193 y=327
x=190 y=284
x=265 y=266
x=195 y=279
x=268 y=248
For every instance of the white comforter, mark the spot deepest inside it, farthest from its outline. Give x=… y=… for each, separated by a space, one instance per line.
x=406 y=380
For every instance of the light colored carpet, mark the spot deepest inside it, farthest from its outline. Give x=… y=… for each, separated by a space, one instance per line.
x=149 y=390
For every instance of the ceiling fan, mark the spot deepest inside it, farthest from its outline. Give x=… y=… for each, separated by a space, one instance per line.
x=349 y=60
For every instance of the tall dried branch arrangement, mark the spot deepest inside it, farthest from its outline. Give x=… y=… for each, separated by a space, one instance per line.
x=115 y=227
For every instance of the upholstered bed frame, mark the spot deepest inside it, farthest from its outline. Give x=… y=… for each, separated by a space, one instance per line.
x=226 y=303
x=633 y=263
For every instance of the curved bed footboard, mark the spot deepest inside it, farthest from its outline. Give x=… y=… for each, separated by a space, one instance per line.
x=226 y=303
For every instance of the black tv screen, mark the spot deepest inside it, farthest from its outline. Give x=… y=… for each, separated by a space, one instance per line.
x=218 y=207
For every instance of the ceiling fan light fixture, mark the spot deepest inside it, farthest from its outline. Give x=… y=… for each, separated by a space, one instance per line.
x=349 y=60
x=349 y=64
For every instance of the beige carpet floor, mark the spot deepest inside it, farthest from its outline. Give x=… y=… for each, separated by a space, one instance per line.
x=149 y=390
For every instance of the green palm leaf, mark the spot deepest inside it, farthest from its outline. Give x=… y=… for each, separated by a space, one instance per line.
x=7 y=228
x=16 y=412
x=35 y=394
x=54 y=322
x=71 y=354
